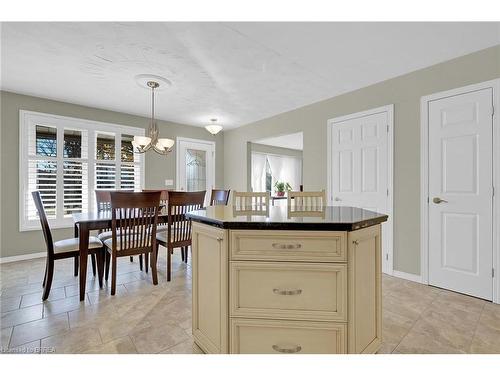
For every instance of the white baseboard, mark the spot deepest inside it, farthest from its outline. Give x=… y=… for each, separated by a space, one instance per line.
x=18 y=258
x=407 y=276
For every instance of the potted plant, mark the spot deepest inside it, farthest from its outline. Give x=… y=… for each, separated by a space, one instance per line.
x=281 y=187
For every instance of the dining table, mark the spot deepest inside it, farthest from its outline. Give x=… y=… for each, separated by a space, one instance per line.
x=88 y=221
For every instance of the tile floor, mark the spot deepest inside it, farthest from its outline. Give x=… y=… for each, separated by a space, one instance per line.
x=142 y=318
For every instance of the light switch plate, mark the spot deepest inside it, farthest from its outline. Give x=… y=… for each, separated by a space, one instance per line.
x=169 y=182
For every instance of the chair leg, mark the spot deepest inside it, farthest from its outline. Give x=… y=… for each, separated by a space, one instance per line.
x=169 y=264
x=49 y=273
x=100 y=265
x=154 y=271
x=186 y=254
x=113 y=275
x=107 y=260
x=140 y=261
x=131 y=259
x=182 y=254
x=77 y=262
x=45 y=275
x=157 y=252
x=146 y=262
x=92 y=258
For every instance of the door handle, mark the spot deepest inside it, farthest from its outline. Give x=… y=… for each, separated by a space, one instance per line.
x=438 y=200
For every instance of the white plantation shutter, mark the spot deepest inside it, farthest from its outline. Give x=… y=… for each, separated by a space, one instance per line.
x=76 y=189
x=59 y=158
x=130 y=176
x=105 y=176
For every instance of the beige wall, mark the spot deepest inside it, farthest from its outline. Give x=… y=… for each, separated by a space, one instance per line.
x=158 y=168
x=405 y=93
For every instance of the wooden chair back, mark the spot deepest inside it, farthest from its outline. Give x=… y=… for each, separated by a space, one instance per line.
x=251 y=203
x=135 y=217
x=179 y=226
x=163 y=196
x=306 y=200
x=47 y=234
x=103 y=200
x=219 y=197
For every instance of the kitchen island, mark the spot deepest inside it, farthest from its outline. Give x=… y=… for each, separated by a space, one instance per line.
x=287 y=282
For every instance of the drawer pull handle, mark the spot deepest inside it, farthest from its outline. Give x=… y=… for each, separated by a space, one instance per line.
x=297 y=349
x=355 y=242
x=287 y=246
x=294 y=292
x=219 y=239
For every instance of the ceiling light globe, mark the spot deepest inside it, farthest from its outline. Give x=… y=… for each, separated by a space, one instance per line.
x=165 y=143
x=141 y=141
x=213 y=129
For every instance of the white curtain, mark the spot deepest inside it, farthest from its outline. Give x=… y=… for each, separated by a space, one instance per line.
x=258 y=172
x=286 y=169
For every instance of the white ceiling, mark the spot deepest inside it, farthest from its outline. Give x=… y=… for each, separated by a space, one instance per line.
x=237 y=72
x=294 y=141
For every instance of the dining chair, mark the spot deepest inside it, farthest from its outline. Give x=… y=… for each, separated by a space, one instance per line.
x=248 y=203
x=178 y=232
x=134 y=219
x=219 y=197
x=103 y=201
x=306 y=200
x=64 y=249
x=163 y=205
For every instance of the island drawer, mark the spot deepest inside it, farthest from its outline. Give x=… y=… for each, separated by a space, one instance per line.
x=309 y=291
x=252 y=336
x=309 y=246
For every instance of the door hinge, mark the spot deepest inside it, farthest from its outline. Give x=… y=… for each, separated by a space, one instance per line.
x=492 y=110
x=492 y=272
x=387 y=128
x=427 y=199
x=387 y=192
x=386 y=256
x=493 y=191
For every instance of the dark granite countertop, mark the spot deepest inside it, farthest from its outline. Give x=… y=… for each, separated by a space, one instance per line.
x=334 y=218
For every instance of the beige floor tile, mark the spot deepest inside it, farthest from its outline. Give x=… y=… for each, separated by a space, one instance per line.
x=486 y=340
x=461 y=301
x=21 y=316
x=185 y=347
x=491 y=316
x=73 y=341
x=9 y=304
x=63 y=305
x=123 y=345
x=155 y=339
x=17 y=291
x=91 y=315
x=5 y=334
x=409 y=308
x=418 y=343
x=436 y=329
x=394 y=328
x=39 y=329
x=36 y=298
x=112 y=328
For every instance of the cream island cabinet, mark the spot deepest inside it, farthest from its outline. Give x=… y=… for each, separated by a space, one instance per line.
x=277 y=283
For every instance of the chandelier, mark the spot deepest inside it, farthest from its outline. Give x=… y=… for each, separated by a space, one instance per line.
x=160 y=145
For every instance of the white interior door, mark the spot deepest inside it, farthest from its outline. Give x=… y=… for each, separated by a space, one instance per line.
x=461 y=193
x=360 y=168
x=195 y=165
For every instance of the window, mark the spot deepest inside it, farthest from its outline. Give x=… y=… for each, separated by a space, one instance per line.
x=66 y=159
x=267 y=169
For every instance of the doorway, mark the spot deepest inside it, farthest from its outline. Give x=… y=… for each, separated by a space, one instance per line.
x=458 y=177
x=360 y=167
x=195 y=165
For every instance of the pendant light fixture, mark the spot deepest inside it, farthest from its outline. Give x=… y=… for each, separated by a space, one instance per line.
x=162 y=146
x=213 y=128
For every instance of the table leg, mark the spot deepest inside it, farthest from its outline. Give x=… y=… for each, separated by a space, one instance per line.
x=84 y=245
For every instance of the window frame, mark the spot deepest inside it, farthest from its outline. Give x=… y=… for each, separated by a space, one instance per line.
x=27 y=119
